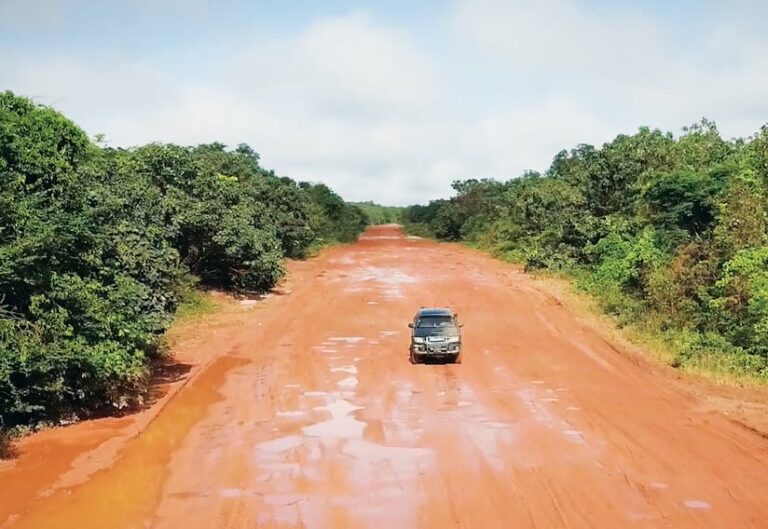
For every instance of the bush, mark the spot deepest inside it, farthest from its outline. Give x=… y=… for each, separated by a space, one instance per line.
x=98 y=245
x=660 y=229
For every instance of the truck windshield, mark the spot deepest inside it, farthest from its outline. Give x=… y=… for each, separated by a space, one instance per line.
x=435 y=326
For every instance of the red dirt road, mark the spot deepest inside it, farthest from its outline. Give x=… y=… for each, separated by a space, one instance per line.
x=309 y=415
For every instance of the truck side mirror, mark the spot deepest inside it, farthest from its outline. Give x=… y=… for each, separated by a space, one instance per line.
x=410 y=325
x=461 y=325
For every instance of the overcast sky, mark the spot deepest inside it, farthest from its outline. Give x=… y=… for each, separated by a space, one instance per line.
x=392 y=100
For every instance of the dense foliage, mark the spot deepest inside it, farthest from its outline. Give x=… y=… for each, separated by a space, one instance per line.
x=378 y=214
x=668 y=232
x=97 y=244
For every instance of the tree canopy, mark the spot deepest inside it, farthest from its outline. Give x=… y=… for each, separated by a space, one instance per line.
x=97 y=244
x=669 y=233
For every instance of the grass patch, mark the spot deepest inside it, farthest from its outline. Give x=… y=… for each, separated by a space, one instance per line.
x=194 y=303
x=419 y=230
x=7 y=450
x=314 y=249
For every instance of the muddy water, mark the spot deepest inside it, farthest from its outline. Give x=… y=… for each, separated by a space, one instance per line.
x=317 y=420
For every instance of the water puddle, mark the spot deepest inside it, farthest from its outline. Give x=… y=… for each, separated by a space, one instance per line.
x=497 y=425
x=389 y=279
x=697 y=504
x=372 y=452
x=281 y=444
x=290 y=414
x=539 y=412
x=352 y=370
x=340 y=425
x=315 y=393
x=574 y=435
x=349 y=340
x=348 y=382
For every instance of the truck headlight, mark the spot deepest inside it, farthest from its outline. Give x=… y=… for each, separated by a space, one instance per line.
x=416 y=339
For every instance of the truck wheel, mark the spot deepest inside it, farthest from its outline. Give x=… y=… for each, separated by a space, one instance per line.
x=412 y=358
x=457 y=359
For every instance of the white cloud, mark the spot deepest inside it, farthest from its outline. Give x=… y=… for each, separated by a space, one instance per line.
x=629 y=67
x=364 y=108
x=560 y=37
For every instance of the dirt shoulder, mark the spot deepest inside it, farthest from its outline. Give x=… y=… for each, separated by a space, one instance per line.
x=40 y=463
x=744 y=403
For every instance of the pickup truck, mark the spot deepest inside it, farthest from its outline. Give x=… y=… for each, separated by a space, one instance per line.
x=435 y=336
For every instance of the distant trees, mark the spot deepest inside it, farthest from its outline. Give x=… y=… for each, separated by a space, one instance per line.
x=378 y=214
x=669 y=232
x=97 y=244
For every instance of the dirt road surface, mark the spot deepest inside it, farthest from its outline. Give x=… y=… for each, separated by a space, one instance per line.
x=306 y=413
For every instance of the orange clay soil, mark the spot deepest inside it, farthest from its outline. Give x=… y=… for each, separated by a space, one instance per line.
x=305 y=412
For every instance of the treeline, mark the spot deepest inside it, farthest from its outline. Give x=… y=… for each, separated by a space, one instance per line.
x=98 y=245
x=669 y=234
x=378 y=214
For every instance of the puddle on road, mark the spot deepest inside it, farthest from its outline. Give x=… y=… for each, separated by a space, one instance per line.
x=575 y=435
x=352 y=370
x=281 y=444
x=376 y=453
x=349 y=340
x=290 y=414
x=340 y=425
x=349 y=382
x=697 y=504
x=389 y=279
x=314 y=393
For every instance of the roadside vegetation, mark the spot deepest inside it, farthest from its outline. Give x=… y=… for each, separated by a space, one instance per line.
x=668 y=233
x=99 y=245
x=378 y=214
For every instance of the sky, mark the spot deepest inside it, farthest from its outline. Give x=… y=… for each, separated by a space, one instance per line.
x=393 y=100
